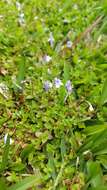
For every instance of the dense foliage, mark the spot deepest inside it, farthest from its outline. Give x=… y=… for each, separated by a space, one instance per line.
x=53 y=94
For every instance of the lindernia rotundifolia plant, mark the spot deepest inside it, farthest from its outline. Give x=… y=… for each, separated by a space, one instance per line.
x=56 y=84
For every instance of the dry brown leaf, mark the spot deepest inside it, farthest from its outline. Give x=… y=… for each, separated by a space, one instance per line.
x=3 y=71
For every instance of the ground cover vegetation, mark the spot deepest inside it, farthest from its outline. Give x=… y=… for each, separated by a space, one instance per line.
x=53 y=94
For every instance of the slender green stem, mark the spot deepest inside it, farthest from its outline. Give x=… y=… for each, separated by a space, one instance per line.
x=58 y=177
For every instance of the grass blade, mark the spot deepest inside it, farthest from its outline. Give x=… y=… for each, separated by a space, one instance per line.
x=5 y=155
x=103 y=99
x=25 y=183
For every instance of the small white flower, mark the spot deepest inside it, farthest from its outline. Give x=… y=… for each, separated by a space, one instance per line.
x=47 y=85
x=38 y=134
x=8 y=1
x=21 y=19
x=49 y=71
x=99 y=39
x=5 y=139
x=18 y=6
x=60 y=10
x=69 y=44
x=47 y=58
x=1 y=17
x=21 y=15
x=77 y=161
x=51 y=40
x=57 y=82
x=4 y=90
x=65 y=21
x=36 y=18
x=69 y=87
x=91 y=109
x=86 y=152
x=75 y=6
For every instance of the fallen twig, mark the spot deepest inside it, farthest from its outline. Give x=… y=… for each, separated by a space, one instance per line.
x=87 y=31
x=83 y=34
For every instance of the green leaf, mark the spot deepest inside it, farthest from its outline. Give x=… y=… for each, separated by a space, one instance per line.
x=26 y=151
x=5 y=155
x=102 y=187
x=91 y=130
x=103 y=99
x=18 y=85
x=25 y=183
x=63 y=148
x=94 y=173
x=103 y=28
x=103 y=160
x=94 y=142
x=18 y=167
x=100 y=149
x=51 y=165
x=3 y=184
x=21 y=73
x=67 y=71
x=66 y=76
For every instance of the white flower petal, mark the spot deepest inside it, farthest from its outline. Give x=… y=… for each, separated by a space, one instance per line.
x=47 y=58
x=5 y=139
x=51 y=40
x=57 y=82
x=18 y=6
x=69 y=44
